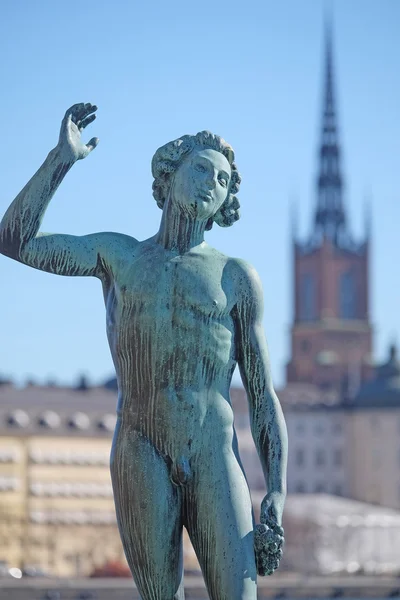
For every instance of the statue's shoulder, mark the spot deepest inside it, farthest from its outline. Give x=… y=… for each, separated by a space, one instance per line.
x=214 y=254
x=241 y=269
x=245 y=279
x=113 y=240
x=116 y=246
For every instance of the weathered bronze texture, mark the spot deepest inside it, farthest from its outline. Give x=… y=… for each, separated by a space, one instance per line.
x=180 y=317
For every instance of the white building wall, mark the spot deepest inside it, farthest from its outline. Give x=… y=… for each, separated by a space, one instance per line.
x=318 y=451
x=321 y=435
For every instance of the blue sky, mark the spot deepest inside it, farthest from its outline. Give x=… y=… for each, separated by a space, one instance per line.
x=249 y=71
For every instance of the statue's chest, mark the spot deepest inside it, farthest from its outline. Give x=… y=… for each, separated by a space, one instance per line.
x=179 y=284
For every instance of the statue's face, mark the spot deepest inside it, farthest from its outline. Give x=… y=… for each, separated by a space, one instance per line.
x=201 y=182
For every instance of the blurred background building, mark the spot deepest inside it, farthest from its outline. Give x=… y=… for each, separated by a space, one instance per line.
x=56 y=503
x=342 y=413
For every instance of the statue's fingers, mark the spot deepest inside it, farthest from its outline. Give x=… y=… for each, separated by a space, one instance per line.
x=82 y=111
x=86 y=121
x=92 y=144
x=272 y=524
x=277 y=529
x=87 y=110
x=73 y=110
x=76 y=112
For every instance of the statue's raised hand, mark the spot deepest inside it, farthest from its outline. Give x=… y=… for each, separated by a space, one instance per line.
x=269 y=535
x=76 y=119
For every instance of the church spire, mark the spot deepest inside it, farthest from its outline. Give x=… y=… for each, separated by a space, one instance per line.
x=329 y=215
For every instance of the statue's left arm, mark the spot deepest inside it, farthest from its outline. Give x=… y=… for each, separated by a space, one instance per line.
x=266 y=417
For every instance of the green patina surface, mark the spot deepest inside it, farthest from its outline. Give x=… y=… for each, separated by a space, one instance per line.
x=180 y=316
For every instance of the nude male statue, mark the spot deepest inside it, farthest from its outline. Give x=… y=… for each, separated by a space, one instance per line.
x=180 y=316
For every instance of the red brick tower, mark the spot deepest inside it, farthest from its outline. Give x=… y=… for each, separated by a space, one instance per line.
x=331 y=333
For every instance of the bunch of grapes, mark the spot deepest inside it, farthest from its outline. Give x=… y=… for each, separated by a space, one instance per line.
x=268 y=542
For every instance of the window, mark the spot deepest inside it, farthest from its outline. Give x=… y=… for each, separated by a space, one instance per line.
x=337 y=428
x=79 y=420
x=319 y=488
x=338 y=457
x=49 y=419
x=300 y=488
x=18 y=418
x=376 y=457
x=300 y=457
x=305 y=346
x=320 y=458
x=347 y=296
x=338 y=489
x=375 y=422
x=326 y=386
x=307 y=298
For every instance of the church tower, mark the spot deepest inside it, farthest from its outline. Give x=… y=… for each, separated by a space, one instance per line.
x=331 y=336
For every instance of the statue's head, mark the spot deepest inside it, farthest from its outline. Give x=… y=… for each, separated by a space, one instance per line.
x=200 y=173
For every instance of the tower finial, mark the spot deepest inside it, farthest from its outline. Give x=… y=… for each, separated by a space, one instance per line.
x=330 y=215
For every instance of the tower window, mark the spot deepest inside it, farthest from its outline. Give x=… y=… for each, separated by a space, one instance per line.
x=307 y=298
x=300 y=457
x=338 y=457
x=337 y=428
x=320 y=457
x=347 y=296
x=338 y=489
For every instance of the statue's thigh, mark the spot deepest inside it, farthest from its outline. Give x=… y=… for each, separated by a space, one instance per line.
x=220 y=525
x=148 y=510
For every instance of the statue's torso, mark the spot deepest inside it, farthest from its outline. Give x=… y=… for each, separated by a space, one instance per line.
x=171 y=334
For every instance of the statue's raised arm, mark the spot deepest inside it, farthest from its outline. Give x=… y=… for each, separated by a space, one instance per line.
x=20 y=238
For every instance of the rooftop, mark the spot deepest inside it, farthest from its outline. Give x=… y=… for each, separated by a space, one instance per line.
x=52 y=410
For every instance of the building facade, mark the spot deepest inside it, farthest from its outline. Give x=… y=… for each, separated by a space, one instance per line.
x=375 y=434
x=56 y=503
x=351 y=448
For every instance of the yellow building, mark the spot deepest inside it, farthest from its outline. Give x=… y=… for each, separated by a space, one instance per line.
x=56 y=503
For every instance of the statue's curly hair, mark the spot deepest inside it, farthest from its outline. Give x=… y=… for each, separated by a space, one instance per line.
x=167 y=159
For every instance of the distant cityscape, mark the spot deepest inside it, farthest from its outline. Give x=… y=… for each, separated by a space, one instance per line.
x=342 y=412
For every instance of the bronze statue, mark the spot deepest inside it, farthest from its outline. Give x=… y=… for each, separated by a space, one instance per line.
x=180 y=316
